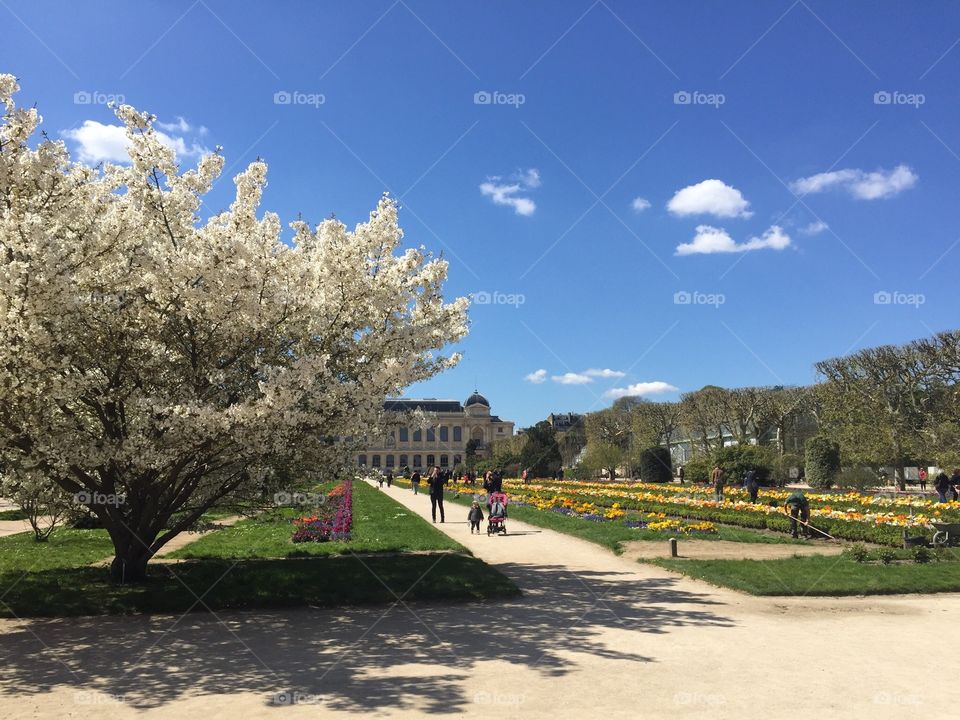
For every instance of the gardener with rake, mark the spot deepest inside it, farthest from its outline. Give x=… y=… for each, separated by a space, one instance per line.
x=798 y=506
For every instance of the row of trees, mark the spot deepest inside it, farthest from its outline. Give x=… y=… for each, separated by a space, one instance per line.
x=537 y=449
x=705 y=419
x=890 y=406
x=894 y=405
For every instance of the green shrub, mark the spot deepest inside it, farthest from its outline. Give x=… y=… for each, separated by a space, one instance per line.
x=782 y=465
x=922 y=555
x=697 y=469
x=886 y=555
x=737 y=460
x=656 y=465
x=822 y=461
x=578 y=472
x=858 y=478
x=859 y=552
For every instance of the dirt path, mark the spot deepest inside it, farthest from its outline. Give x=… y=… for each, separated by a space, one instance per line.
x=12 y=527
x=595 y=636
x=725 y=550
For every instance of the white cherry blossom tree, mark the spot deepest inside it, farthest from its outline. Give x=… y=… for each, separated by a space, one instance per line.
x=159 y=364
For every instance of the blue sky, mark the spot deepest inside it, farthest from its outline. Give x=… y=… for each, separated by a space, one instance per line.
x=518 y=137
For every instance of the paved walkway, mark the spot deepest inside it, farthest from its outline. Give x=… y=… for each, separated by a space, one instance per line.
x=595 y=636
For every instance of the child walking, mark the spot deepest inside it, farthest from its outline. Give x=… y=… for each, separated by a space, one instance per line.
x=475 y=517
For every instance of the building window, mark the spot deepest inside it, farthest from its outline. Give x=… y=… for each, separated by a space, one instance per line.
x=431 y=435
x=404 y=434
x=417 y=435
x=458 y=434
x=444 y=433
x=499 y=429
x=403 y=461
x=376 y=461
x=431 y=461
x=417 y=462
x=444 y=461
x=390 y=461
x=362 y=461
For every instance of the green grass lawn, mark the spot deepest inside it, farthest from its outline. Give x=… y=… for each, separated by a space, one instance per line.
x=330 y=581
x=65 y=548
x=611 y=534
x=252 y=565
x=379 y=525
x=821 y=575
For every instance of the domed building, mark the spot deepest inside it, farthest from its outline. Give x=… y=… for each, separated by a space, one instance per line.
x=444 y=443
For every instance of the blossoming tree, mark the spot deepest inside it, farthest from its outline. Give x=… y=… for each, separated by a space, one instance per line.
x=157 y=365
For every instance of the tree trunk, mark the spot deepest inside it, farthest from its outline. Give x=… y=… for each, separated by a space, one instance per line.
x=129 y=562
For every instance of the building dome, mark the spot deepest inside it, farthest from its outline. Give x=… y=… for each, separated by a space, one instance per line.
x=476 y=399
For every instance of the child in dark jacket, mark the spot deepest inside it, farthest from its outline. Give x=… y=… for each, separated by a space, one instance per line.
x=475 y=517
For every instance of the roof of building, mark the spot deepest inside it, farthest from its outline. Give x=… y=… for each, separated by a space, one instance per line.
x=425 y=404
x=476 y=399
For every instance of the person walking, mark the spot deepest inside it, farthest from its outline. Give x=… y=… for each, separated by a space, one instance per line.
x=798 y=506
x=415 y=482
x=719 y=480
x=380 y=480
x=389 y=478
x=922 y=479
x=955 y=484
x=680 y=474
x=436 y=483
x=751 y=484
x=475 y=516
x=941 y=484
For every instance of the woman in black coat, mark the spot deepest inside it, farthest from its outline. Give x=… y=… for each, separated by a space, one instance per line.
x=436 y=483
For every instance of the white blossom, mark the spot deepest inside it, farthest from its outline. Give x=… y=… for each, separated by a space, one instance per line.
x=145 y=350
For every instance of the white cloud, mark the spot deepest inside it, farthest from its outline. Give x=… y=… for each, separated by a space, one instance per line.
x=529 y=178
x=814 y=228
x=505 y=191
x=537 y=376
x=710 y=197
x=603 y=373
x=640 y=204
x=860 y=184
x=710 y=240
x=96 y=142
x=572 y=378
x=641 y=389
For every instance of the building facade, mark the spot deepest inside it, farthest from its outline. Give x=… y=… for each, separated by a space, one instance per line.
x=443 y=443
x=562 y=422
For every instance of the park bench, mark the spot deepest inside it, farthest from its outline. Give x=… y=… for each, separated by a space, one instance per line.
x=947 y=534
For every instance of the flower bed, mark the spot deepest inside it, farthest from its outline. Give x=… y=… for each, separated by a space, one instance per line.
x=333 y=520
x=847 y=515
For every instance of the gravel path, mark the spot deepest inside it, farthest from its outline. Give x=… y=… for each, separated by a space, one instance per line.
x=594 y=636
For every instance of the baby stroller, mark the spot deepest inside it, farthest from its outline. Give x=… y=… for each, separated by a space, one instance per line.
x=497 y=507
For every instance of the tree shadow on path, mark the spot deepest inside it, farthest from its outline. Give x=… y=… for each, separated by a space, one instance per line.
x=353 y=659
